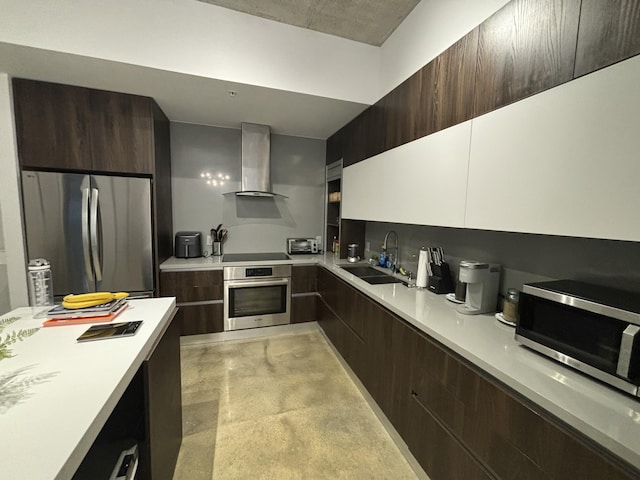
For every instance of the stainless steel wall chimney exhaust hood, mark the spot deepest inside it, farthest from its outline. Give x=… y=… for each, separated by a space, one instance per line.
x=256 y=161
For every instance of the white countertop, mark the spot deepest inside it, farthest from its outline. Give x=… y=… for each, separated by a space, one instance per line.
x=56 y=393
x=215 y=262
x=609 y=417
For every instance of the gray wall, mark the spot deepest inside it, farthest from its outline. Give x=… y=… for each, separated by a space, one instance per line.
x=297 y=171
x=524 y=257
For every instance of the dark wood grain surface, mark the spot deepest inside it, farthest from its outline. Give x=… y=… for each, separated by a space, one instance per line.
x=202 y=318
x=304 y=278
x=121 y=133
x=163 y=407
x=304 y=309
x=457 y=420
x=455 y=81
x=53 y=125
x=192 y=286
x=525 y=48
x=609 y=33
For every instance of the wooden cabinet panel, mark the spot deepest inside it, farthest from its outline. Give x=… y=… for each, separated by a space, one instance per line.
x=76 y=128
x=441 y=456
x=304 y=279
x=121 y=132
x=455 y=83
x=526 y=47
x=365 y=135
x=163 y=218
x=163 y=407
x=609 y=32
x=192 y=286
x=303 y=308
x=52 y=125
x=408 y=108
x=502 y=431
x=200 y=319
x=335 y=146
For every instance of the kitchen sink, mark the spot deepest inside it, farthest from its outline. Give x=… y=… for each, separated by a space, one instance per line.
x=372 y=275
x=364 y=271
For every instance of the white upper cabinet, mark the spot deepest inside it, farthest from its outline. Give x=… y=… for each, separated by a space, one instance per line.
x=563 y=162
x=421 y=182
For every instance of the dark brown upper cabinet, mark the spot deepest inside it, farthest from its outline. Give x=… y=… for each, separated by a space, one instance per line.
x=65 y=127
x=455 y=83
x=609 y=33
x=365 y=135
x=335 y=147
x=409 y=108
x=525 y=48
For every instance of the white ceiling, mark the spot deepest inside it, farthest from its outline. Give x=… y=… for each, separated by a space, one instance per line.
x=366 y=21
x=188 y=98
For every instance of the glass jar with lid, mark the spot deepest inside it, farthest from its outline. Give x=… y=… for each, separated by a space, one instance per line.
x=510 y=308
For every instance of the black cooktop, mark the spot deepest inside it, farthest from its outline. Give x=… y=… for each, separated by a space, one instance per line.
x=254 y=257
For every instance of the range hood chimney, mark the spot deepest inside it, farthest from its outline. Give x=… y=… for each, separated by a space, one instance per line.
x=256 y=161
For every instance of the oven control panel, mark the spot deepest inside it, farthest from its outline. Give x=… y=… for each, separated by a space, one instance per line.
x=258 y=272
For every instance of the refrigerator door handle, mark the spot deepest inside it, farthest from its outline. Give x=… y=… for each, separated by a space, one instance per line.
x=85 y=234
x=95 y=246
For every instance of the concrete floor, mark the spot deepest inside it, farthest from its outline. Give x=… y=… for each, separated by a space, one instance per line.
x=279 y=407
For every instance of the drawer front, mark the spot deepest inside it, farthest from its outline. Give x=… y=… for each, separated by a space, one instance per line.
x=304 y=279
x=193 y=286
x=199 y=319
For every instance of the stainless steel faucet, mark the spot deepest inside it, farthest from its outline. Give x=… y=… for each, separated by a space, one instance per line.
x=385 y=246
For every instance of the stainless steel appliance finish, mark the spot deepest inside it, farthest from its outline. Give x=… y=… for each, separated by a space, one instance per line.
x=257 y=296
x=353 y=250
x=297 y=246
x=95 y=230
x=590 y=328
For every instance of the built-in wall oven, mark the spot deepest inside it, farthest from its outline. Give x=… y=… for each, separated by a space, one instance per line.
x=258 y=296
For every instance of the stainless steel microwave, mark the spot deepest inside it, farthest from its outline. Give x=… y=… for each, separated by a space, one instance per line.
x=587 y=327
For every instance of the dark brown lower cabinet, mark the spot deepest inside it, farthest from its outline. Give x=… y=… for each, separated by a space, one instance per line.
x=163 y=408
x=439 y=453
x=201 y=318
x=304 y=297
x=304 y=308
x=149 y=413
x=199 y=298
x=459 y=422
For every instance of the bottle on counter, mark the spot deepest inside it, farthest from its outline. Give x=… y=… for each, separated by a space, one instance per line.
x=40 y=283
x=510 y=308
x=382 y=259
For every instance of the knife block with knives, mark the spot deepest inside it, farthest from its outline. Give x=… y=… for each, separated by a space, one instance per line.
x=440 y=281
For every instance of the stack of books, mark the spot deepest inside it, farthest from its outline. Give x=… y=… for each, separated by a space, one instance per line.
x=105 y=312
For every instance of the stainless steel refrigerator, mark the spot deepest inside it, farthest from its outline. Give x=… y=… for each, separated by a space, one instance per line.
x=95 y=230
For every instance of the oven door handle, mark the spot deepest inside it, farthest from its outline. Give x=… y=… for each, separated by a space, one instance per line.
x=256 y=283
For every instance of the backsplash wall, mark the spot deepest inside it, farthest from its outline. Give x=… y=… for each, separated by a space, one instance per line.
x=524 y=257
x=297 y=171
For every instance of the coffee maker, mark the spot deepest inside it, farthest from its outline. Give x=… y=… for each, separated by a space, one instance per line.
x=482 y=281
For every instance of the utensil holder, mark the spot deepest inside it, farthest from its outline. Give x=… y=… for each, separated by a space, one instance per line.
x=217 y=249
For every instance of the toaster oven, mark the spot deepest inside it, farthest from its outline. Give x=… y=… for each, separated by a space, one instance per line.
x=590 y=328
x=302 y=245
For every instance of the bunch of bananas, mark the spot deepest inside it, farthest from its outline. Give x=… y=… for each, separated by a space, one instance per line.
x=85 y=300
